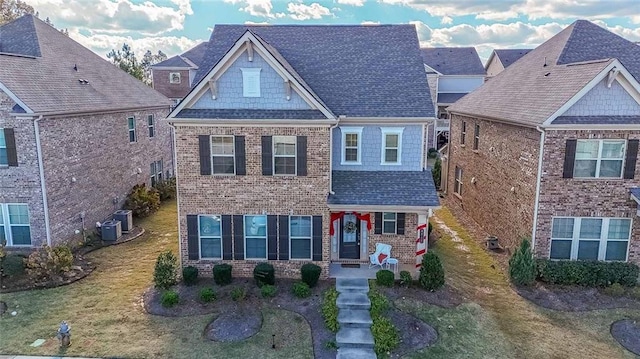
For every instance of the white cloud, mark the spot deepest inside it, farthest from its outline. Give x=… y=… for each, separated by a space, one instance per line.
x=305 y=12
x=446 y=20
x=259 y=8
x=370 y=23
x=351 y=2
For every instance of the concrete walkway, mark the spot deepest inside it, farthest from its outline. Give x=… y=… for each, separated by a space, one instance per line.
x=354 y=338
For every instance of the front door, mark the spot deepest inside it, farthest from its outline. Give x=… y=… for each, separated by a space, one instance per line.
x=350 y=237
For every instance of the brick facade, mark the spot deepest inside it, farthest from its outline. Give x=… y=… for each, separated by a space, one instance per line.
x=403 y=247
x=173 y=91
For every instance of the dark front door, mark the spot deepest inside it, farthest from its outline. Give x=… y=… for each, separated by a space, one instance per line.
x=350 y=237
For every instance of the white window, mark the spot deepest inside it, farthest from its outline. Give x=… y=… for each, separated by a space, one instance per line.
x=351 y=145
x=590 y=238
x=457 y=186
x=132 y=129
x=389 y=223
x=4 y=158
x=284 y=155
x=223 y=155
x=14 y=224
x=152 y=126
x=155 y=171
x=476 y=137
x=210 y=233
x=599 y=158
x=250 y=82
x=300 y=237
x=463 y=134
x=391 y=145
x=255 y=237
x=174 y=78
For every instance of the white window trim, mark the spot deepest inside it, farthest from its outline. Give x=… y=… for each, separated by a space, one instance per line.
x=248 y=73
x=273 y=157
x=223 y=155
x=4 y=211
x=266 y=236
x=351 y=130
x=151 y=126
x=395 y=223
x=310 y=240
x=463 y=133
x=383 y=145
x=600 y=159
x=200 y=238
x=457 y=186
x=604 y=232
x=171 y=78
x=4 y=147
x=135 y=135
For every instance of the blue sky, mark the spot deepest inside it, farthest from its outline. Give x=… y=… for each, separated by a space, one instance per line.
x=174 y=26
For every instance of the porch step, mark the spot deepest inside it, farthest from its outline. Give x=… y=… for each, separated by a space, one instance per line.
x=353 y=300
x=356 y=353
x=352 y=284
x=355 y=338
x=354 y=318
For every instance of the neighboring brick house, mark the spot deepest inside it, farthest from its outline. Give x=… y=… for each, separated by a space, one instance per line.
x=500 y=59
x=304 y=144
x=173 y=77
x=548 y=149
x=452 y=72
x=76 y=133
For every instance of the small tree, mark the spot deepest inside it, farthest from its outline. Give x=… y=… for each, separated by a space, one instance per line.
x=522 y=266
x=431 y=272
x=166 y=272
x=436 y=172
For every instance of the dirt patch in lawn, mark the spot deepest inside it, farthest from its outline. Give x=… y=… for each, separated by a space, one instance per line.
x=573 y=298
x=234 y=326
x=627 y=333
x=415 y=334
x=446 y=297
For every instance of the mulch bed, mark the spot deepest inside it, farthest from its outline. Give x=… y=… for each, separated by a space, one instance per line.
x=627 y=333
x=446 y=297
x=573 y=298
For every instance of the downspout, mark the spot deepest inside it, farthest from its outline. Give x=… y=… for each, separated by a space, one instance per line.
x=331 y=155
x=175 y=175
x=43 y=186
x=538 y=180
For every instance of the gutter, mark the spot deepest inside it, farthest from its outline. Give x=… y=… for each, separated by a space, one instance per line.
x=43 y=186
x=53 y=114
x=331 y=155
x=382 y=208
x=538 y=180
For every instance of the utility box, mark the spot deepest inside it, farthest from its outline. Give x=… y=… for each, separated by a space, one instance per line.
x=125 y=216
x=111 y=230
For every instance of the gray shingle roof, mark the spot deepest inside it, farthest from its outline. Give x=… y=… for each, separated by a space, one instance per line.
x=194 y=55
x=19 y=38
x=453 y=60
x=175 y=61
x=509 y=56
x=635 y=191
x=50 y=84
x=380 y=188
x=252 y=114
x=591 y=120
x=444 y=98
x=359 y=71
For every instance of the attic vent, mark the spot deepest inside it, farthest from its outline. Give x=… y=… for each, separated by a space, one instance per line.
x=83 y=81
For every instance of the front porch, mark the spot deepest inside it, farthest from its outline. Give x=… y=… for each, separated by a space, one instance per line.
x=362 y=270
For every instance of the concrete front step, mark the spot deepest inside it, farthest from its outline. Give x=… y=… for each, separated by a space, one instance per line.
x=354 y=318
x=356 y=353
x=354 y=338
x=352 y=284
x=353 y=300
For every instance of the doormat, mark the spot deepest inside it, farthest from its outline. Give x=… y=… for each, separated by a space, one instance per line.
x=349 y=265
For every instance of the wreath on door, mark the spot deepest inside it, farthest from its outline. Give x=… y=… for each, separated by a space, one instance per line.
x=350 y=227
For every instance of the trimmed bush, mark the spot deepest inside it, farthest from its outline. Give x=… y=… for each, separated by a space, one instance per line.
x=301 y=289
x=222 y=274
x=432 y=153
x=385 y=335
x=142 y=201
x=330 y=309
x=207 y=295
x=47 y=262
x=268 y=291
x=166 y=189
x=264 y=273
x=190 y=275
x=310 y=274
x=614 y=290
x=635 y=293
x=385 y=277
x=522 y=266
x=405 y=278
x=165 y=273
x=431 y=272
x=587 y=273
x=436 y=172
x=169 y=298
x=13 y=265
x=238 y=294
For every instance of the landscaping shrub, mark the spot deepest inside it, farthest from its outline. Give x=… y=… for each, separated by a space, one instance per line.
x=13 y=265
x=264 y=273
x=331 y=344
x=522 y=266
x=268 y=291
x=436 y=172
x=301 y=289
x=614 y=290
x=385 y=277
x=385 y=335
x=190 y=275
x=587 y=273
x=238 y=294
x=222 y=274
x=405 y=278
x=379 y=303
x=169 y=298
x=431 y=272
x=432 y=153
x=330 y=309
x=635 y=293
x=166 y=189
x=165 y=273
x=142 y=201
x=207 y=295
x=310 y=274
x=46 y=262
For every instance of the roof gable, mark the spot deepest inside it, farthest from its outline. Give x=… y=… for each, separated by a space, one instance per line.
x=509 y=56
x=605 y=100
x=453 y=60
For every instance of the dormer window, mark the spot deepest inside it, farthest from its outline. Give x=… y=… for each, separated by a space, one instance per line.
x=174 y=78
x=250 y=82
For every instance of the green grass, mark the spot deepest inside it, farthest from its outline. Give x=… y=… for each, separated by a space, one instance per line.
x=107 y=318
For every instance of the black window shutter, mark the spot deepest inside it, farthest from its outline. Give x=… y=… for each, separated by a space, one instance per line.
x=630 y=161
x=272 y=237
x=301 y=156
x=569 y=158
x=238 y=237
x=283 y=231
x=377 y=219
x=267 y=157
x=192 y=237
x=12 y=153
x=399 y=223
x=317 y=238
x=205 y=154
x=227 y=241
x=241 y=157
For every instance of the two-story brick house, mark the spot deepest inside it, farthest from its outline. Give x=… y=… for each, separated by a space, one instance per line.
x=174 y=76
x=548 y=149
x=304 y=144
x=76 y=133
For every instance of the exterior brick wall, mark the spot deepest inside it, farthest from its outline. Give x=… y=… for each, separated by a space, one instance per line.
x=173 y=91
x=403 y=247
